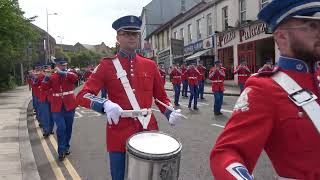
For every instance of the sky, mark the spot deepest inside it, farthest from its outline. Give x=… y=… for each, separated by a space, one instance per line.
x=84 y=21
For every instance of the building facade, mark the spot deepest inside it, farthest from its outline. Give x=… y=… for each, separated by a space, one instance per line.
x=240 y=36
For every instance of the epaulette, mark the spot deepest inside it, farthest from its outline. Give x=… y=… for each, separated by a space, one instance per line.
x=266 y=72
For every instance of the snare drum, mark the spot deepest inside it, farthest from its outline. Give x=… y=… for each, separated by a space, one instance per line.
x=152 y=155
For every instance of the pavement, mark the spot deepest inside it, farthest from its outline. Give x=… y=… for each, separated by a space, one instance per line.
x=16 y=157
x=17 y=160
x=231 y=89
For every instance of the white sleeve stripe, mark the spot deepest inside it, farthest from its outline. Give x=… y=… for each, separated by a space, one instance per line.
x=235 y=168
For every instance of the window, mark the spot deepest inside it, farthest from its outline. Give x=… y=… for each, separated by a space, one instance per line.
x=162 y=40
x=189 y=33
x=175 y=35
x=225 y=18
x=181 y=34
x=209 y=24
x=168 y=38
x=263 y=3
x=198 y=29
x=243 y=10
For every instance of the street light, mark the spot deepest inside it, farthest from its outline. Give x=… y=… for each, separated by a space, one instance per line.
x=61 y=38
x=48 y=39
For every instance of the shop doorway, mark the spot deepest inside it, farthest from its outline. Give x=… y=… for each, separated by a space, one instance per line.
x=247 y=51
x=226 y=56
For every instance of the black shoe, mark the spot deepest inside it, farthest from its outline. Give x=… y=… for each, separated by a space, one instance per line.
x=40 y=125
x=189 y=106
x=220 y=113
x=46 y=135
x=67 y=153
x=62 y=157
x=51 y=132
x=195 y=108
x=202 y=98
x=177 y=104
x=217 y=113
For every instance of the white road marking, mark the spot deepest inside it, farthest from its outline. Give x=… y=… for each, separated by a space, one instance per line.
x=78 y=115
x=217 y=125
x=225 y=110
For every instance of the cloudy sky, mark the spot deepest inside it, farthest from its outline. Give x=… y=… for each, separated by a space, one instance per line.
x=84 y=21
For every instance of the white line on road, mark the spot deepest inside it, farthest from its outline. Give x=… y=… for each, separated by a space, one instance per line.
x=78 y=115
x=225 y=110
x=217 y=125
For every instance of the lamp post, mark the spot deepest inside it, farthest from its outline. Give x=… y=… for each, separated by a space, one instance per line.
x=61 y=38
x=48 y=38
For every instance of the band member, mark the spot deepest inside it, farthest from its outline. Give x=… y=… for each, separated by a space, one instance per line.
x=217 y=75
x=201 y=79
x=132 y=81
x=243 y=74
x=279 y=110
x=192 y=74
x=175 y=76
x=184 y=80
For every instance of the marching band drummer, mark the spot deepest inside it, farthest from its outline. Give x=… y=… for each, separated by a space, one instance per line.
x=132 y=81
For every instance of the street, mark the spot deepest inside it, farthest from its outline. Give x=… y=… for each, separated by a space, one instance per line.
x=89 y=160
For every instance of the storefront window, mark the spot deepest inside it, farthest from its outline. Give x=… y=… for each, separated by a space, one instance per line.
x=175 y=35
x=243 y=11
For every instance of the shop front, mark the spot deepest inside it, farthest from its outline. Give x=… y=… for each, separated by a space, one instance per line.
x=164 y=59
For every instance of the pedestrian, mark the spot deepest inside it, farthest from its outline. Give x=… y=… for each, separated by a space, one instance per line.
x=279 y=109
x=132 y=81
x=175 y=77
x=184 y=80
x=192 y=74
x=217 y=75
x=201 y=79
x=63 y=104
x=243 y=73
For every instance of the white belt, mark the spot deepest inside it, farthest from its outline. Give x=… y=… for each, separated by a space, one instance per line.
x=192 y=77
x=62 y=94
x=242 y=75
x=136 y=113
x=282 y=178
x=217 y=81
x=176 y=76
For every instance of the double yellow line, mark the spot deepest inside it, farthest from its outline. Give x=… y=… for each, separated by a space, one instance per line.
x=56 y=169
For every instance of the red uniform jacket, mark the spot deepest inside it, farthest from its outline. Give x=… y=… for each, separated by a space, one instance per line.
x=42 y=92
x=35 y=84
x=62 y=91
x=87 y=74
x=202 y=71
x=265 y=118
x=243 y=73
x=192 y=75
x=217 y=77
x=183 y=70
x=175 y=76
x=146 y=82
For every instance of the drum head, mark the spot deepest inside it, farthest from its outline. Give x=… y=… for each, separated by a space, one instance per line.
x=153 y=145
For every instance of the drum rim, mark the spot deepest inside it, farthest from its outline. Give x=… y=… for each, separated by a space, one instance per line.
x=148 y=156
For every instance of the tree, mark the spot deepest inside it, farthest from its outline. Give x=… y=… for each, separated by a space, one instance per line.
x=16 y=34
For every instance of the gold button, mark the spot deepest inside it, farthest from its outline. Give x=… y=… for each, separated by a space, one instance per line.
x=300 y=114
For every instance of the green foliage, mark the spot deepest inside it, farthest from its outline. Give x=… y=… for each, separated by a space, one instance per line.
x=16 y=34
x=84 y=58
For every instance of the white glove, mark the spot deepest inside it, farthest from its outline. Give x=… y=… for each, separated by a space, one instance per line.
x=175 y=117
x=113 y=112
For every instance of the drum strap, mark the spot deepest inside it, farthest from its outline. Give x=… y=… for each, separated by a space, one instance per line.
x=122 y=75
x=301 y=97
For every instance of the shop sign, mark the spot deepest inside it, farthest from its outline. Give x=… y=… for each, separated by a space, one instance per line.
x=188 y=49
x=164 y=54
x=176 y=47
x=225 y=38
x=198 y=46
x=208 y=43
x=252 y=31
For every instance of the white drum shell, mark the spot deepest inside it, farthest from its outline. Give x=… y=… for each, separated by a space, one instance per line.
x=140 y=167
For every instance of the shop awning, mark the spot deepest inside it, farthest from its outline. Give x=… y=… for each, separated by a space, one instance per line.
x=197 y=54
